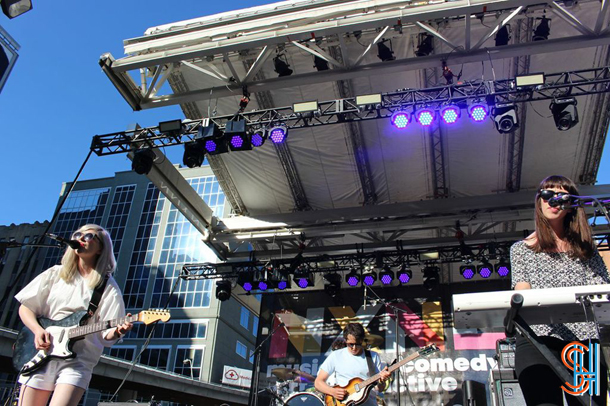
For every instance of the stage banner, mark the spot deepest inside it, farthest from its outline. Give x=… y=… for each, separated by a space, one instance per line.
x=313 y=320
x=237 y=376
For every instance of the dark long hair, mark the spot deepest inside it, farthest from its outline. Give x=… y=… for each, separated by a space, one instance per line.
x=577 y=230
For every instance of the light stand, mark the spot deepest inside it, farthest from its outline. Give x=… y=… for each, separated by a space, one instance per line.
x=257 y=366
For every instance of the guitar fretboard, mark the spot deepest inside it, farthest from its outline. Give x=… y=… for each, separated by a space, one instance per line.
x=81 y=331
x=422 y=352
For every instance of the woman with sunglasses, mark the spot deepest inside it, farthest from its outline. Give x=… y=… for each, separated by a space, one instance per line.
x=59 y=292
x=560 y=253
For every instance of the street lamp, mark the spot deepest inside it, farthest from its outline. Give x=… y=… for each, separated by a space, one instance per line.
x=190 y=362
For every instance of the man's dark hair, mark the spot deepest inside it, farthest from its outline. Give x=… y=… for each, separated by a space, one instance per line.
x=354 y=329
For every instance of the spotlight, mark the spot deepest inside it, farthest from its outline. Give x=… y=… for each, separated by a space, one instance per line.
x=503 y=36
x=279 y=278
x=333 y=286
x=426 y=45
x=14 y=8
x=320 y=64
x=194 y=153
x=261 y=280
x=259 y=137
x=503 y=268
x=278 y=133
x=302 y=277
x=245 y=280
x=543 y=30
x=450 y=114
x=431 y=277
x=142 y=161
x=565 y=113
x=478 y=112
x=468 y=271
x=404 y=274
x=384 y=53
x=505 y=117
x=425 y=117
x=386 y=276
x=282 y=68
x=223 y=290
x=485 y=269
x=237 y=136
x=212 y=139
x=352 y=278
x=400 y=119
x=172 y=128
x=369 y=278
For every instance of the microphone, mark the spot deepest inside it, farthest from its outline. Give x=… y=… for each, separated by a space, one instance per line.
x=71 y=243
x=559 y=201
x=282 y=324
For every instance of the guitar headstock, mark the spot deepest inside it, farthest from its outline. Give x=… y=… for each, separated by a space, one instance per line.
x=152 y=315
x=428 y=350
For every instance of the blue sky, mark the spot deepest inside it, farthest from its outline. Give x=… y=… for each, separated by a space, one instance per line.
x=57 y=97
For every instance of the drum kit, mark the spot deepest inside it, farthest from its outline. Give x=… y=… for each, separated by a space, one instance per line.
x=286 y=390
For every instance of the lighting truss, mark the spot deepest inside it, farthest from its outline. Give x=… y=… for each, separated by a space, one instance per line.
x=574 y=83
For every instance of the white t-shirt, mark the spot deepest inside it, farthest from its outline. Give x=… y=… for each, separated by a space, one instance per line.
x=346 y=367
x=50 y=296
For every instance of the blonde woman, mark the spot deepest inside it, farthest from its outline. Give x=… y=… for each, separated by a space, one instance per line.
x=59 y=292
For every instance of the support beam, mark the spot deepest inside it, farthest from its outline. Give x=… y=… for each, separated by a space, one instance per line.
x=432 y=31
x=569 y=18
x=502 y=21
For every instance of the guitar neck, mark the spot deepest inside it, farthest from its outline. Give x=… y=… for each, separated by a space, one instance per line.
x=391 y=369
x=81 y=331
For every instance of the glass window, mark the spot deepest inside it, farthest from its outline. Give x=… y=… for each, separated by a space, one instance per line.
x=189 y=361
x=156 y=357
x=241 y=350
x=243 y=319
x=254 y=325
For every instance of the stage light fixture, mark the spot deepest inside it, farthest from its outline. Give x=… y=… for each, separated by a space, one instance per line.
x=404 y=274
x=543 y=29
x=281 y=67
x=237 y=136
x=425 y=117
x=386 y=276
x=368 y=99
x=478 y=112
x=450 y=114
x=400 y=119
x=278 y=133
x=503 y=36
x=565 y=113
x=505 y=117
x=369 y=278
x=384 y=53
x=426 y=45
x=468 y=271
x=333 y=286
x=259 y=137
x=212 y=139
x=431 y=277
x=14 y=8
x=142 y=161
x=223 y=290
x=485 y=269
x=194 y=153
x=261 y=280
x=352 y=278
x=531 y=80
x=305 y=107
x=302 y=277
x=172 y=127
x=245 y=279
x=503 y=268
x=320 y=64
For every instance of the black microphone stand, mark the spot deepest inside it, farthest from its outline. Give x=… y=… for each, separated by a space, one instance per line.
x=257 y=366
x=4 y=245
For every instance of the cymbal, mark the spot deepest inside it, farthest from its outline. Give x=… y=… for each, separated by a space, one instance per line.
x=373 y=340
x=285 y=374
x=304 y=377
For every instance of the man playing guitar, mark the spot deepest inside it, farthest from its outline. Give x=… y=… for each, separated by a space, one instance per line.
x=349 y=363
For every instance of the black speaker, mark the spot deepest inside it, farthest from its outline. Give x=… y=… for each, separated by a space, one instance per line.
x=509 y=393
x=474 y=393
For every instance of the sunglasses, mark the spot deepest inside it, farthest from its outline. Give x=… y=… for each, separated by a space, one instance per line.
x=546 y=194
x=353 y=345
x=85 y=237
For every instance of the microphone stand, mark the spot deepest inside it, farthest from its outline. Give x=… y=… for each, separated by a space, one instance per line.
x=257 y=351
x=4 y=245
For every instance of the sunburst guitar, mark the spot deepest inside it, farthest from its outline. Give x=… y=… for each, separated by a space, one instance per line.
x=64 y=333
x=358 y=390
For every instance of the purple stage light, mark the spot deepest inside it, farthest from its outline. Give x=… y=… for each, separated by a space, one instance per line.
x=353 y=280
x=277 y=135
x=468 y=272
x=425 y=117
x=485 y=271
x=450 y=114
x=404 y=277
x=247 y=286
x=478 y=112
x=303 y=283
x=386 y=279
x=262 y=285
x=210 y=145
x=282 y=285
x=257 y=139
x=368 y=280
x=237 y=141
x=400 y=120
x=503 y=270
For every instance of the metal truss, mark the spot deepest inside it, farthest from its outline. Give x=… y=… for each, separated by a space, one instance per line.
x=212 y=47
x=573 y=83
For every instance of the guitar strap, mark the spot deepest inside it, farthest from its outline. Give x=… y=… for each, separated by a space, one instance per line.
x=369 y=362
x=94 y=302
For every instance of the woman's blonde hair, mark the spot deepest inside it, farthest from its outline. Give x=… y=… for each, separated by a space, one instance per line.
x=105 y=265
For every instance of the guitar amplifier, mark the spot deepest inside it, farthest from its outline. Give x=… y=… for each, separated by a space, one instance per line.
x=508 y=393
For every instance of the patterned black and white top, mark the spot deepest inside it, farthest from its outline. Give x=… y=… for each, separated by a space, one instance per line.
x=557 y=270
